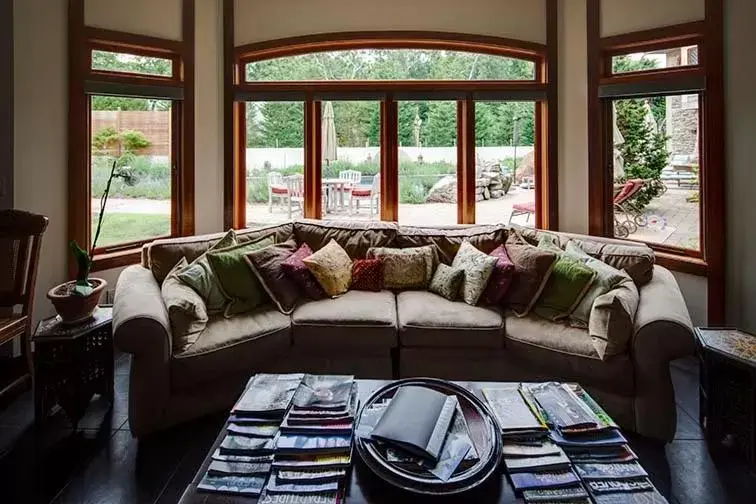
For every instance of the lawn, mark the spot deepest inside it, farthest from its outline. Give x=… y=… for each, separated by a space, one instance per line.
x=129 y=227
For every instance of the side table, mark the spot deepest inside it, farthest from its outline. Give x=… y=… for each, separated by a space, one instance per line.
x=727 y=389
x=72 y=363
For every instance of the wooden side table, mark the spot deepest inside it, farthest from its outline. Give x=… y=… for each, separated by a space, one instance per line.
x=72 y=363
x=728 y=389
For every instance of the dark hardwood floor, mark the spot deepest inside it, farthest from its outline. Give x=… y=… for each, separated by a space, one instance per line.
x=102 y=463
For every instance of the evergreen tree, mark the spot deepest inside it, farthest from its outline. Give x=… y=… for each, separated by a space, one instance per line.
x=441 y=130
x=282 y=124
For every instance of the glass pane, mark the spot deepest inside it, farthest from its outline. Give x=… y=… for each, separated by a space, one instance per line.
x=275 y=161
x=390 y=64
x=131 y=63
x=505 y=163
x=428 y=162
x=663 y=58
x=135 y=135
x=351 y=159
x=656 y=170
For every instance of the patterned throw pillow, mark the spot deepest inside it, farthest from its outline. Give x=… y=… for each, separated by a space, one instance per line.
x=367 y=274
x=200 y=276
x=295 y=268
x=532 y=269
x=266 y=265
x=477 y=267
x=501 y=278
x=332 y=268
x=447 y=281
x=236 y=279
x=186 y=309
x=408 y=268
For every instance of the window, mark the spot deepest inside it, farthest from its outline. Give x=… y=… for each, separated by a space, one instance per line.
x=381 y=128
x=655 y=60
x=120 y=62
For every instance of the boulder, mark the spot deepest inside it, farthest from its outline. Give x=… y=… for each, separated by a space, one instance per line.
x=496 y=194
x=443 y=191
x=486 y=193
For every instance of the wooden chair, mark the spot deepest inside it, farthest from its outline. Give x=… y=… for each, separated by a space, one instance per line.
x=276 y=189
x=295 y=191
x=371 y=193
x=20 y=241
x=353 y=177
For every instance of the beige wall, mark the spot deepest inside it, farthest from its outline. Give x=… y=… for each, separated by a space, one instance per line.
x=157 y=18
x=624 y=16
x=258 y=20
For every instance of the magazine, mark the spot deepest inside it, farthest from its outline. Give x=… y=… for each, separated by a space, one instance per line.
x=315 y=414
x=606 y=438
x=563 y=408
x=511 y=410
x=644 y=497
x=537 y=464
x=221 y=468
x=242 y=445
x=619 y=486
x=555 y=494
x=275 y=486
x=324 y=498
x=259 y=430
x=324 y=392
x=303 y=444
x=243 y=485
x=310 y=476
x=267 y=395
x=217 y=455
x=610 y=471
x=546 y=448
x=529 y=481
x=310 y=462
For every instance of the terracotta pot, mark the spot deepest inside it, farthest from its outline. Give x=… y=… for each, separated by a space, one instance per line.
x=73 y=308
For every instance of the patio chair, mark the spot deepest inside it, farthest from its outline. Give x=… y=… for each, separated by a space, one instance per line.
x=295 y=191
x=353 y=177
x=276 y=189
x=527 y=209
x=628 y=216
x=371 y=193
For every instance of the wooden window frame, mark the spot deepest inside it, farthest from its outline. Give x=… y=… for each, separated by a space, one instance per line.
x=542 y=89
x=85 y=82
x=707 y=36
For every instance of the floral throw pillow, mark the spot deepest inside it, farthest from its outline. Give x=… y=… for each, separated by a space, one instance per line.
x=478 y=267
x=332 y=267
x=447 y=281
x=294 y=268
x=407 y=268
x=367 y=274
x=501 y=278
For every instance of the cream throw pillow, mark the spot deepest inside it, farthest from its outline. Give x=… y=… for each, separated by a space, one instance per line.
x=478 y=267
x=186 y=309
x=332 y=268
x=407 y=268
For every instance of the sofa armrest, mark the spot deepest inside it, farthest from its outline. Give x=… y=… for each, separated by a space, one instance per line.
x=663 y=330
x=140 y=317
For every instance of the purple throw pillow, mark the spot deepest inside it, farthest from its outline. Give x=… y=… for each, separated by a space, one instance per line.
x=501 y=278
x=294 y=268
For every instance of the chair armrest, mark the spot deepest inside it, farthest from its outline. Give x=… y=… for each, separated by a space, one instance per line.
x=140 y=317
x=663 y=329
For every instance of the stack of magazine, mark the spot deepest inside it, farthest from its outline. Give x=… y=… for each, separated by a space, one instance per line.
x=606 y=466
x=314 y=448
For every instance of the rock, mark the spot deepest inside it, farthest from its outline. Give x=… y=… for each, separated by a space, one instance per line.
x=478 y=197
x=443 y=191
x=526 y=166
x=486 y=193
x=496 y=186
x=497 y=194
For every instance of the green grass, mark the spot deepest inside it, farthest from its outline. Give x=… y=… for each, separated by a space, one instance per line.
x=129 y=227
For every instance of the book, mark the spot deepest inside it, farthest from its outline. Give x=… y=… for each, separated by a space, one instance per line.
x=627 y=470
x=248 y=420
x=514 y=450
x=221 y=468
x=417 y=419
x=242 y=485
x=530 y=481
x=612 y=454
x=555 y=494
x=511 y=410
x=606 y=438
x=312 y=462
x=317 y=476
x=619 y=486
x=324 y=498
x=242 y=445
x=563 y=408
x=274 y=486
x=537 y=464
x=304 y=444
x=267 y=395
x=217 y=455
x=259 y=430
x=324 y=392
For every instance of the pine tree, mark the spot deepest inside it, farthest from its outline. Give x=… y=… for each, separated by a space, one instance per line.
x=282 y=124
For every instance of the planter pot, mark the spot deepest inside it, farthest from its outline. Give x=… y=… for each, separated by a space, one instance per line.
x=71 y=308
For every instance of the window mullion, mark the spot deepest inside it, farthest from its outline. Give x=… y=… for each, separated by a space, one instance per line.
x=389 y=198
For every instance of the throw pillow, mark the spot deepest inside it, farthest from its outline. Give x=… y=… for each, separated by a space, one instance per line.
x=332 y=268
x=533 y=267
x=266 y=264
x=478 y=267
x=236 y=279
x=447 y=281
x=569 y=281
x=367 y=274
x=200 y=276
x=501 y=278
x=408 y=268
x=606 y=278
x=186 y=309
x=611 y=324
x=296 y=270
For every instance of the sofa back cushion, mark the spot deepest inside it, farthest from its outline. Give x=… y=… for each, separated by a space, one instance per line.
x=448 y=239
x=354 y=237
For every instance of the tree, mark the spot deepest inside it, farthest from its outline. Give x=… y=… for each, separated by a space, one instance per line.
x=282 y=124
x=441 y=128
x=105 y=60
x=120 y=143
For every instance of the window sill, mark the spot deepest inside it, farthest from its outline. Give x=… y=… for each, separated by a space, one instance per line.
x=117 y=259
x=681 y=263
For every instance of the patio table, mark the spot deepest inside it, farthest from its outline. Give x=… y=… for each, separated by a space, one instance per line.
x=331 y=187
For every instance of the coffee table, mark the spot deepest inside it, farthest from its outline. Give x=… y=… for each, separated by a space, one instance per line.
x=363 y=486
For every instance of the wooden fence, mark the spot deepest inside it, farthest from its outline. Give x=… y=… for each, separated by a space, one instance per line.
x=155 y=125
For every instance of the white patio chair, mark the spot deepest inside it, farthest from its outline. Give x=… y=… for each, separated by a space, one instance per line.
x=276 y=189
x=353 y=177
x=371 y=193
x=295 y=190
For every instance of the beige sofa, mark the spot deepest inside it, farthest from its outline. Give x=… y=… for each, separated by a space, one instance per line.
x=388 y=335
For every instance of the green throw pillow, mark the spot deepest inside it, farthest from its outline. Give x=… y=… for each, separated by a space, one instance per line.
x=199 y=276
x=446 y=281
x=607 y=278
x=237 y=281
x=567 y=284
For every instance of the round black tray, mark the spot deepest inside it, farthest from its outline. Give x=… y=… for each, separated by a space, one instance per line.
x=484 y=431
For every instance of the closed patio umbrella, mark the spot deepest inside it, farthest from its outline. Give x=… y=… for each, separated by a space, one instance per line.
x=328 y=130
x=649 y=118
x=618 y=140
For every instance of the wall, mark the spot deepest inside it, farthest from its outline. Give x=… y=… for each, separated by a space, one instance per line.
x=6 y=104
x=623 y=16
x=146 y=17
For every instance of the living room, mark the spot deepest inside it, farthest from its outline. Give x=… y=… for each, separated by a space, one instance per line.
x=374 y=123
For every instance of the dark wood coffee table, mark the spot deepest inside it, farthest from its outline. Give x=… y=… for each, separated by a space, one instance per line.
x=364 y=487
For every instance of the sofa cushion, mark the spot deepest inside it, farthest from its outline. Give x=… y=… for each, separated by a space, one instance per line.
x=186 y=309
x=448 y=239
x=636 y=260
x=408 y=268
x=358 y=319
x=233 y=345
x=548 y=350
x=429 y=320
x=355 y=237
x=266 y=264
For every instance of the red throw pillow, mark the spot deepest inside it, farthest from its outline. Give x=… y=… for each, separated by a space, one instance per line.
x=367 y=274
x=296 y=270
x=501 y=278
